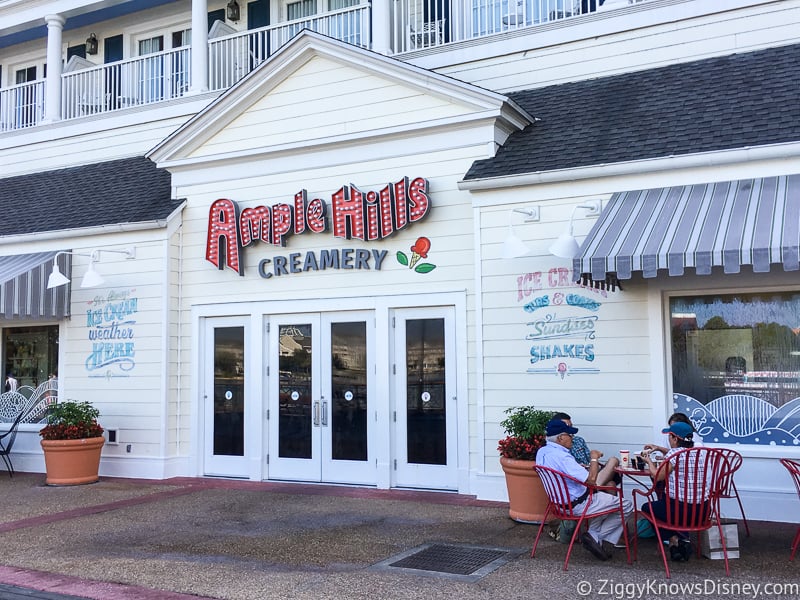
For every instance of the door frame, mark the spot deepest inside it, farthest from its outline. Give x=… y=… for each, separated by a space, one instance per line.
x=354 y=472
x=404 y=474
x=294 y=469
x=212 y=465
x=257 y=313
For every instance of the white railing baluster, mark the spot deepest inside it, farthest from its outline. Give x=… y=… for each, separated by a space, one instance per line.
x=21 y=105
x=231 y=57
x=114 y=86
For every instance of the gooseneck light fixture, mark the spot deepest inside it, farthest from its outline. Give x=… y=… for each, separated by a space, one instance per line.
x=92 y=278
x=513 y=247
x=566 y=246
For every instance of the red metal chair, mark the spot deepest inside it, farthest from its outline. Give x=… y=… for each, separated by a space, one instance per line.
x=695 y=473
x=793 y=467
x=728 y=486
x=560 y=506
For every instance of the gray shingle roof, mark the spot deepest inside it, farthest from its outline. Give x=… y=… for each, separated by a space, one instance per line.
x=130 y=190
x=749 y=99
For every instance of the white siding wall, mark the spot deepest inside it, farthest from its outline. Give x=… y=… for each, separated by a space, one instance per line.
x=74 y=143
x=627 y=402
x=448 y=226
x=131 y=400
x=612 y=407
x=316 y=103
x=441 y=154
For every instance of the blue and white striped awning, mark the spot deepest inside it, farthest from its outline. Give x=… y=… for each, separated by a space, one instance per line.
x=727 y=224
x=23 y=287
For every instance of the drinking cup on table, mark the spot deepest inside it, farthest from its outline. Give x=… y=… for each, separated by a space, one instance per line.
x=624 y=458
x=638 y=461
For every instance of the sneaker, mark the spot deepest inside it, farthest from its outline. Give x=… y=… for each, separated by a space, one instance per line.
x=675 y=553
x=608 y=548
x=593 y=546
x=686 y=549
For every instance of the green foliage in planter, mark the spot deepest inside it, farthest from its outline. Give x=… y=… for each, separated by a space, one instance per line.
x=526 y=421
x=71 y=421
x=525 y=426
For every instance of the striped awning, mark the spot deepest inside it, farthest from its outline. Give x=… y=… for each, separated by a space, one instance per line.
x=727 y=224
x=23 y=287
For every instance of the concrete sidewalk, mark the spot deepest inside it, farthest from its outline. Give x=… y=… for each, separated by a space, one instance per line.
x=211 y=538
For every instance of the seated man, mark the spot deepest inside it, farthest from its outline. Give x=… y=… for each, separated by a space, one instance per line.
x=580 y=451
x=604 y=531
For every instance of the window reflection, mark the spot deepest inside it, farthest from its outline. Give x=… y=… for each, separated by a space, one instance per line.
x=229 y=391
x=294 y=412
x=736 y=344
x=31 y=354
x=425 y=389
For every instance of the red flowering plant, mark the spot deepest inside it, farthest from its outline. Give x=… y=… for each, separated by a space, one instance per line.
x=71 y=421
x=525 y=429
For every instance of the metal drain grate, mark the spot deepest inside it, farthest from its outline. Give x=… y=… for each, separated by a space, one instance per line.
x=468 y=563
x=456 y=560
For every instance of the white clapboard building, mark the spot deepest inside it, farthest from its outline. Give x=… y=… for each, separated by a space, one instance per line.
x=334 y=240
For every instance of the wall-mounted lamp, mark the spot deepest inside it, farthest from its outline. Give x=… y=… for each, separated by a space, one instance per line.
x=566 y=246
x=513 y=247
x=91 y=44
x=92 y=278
x=232 y=11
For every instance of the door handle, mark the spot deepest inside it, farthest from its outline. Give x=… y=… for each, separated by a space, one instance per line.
x=316 y=414
x=324 y=414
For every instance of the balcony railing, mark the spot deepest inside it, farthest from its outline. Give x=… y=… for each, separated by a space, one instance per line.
x=420 y=24
x=233 y=56
x=414 y=25
x=21 y=106
x=141 y=80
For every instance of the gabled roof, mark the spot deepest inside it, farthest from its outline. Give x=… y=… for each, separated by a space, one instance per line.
x=210 y=129
x=126 y=191
x=722 y=103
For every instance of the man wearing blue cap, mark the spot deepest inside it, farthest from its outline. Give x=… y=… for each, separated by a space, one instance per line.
x=556 y=455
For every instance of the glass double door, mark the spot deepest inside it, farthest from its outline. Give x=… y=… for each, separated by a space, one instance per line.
x=320 y=400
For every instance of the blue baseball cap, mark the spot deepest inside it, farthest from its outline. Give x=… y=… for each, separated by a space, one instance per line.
x=557 y=427
x=679 y=429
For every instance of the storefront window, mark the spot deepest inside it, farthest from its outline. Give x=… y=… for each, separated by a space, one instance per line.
x=736 y=366
x=31 y=354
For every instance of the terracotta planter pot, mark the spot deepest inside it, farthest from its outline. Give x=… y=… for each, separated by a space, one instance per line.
x=72 y=462
x=527 y=499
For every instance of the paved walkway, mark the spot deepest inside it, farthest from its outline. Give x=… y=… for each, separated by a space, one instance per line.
x=210 y=538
